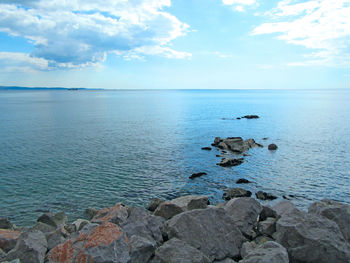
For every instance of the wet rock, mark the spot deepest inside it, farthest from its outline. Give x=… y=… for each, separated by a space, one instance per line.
x=30 y=248
x=265 y=196
x=91 y=212
x=229 y=162
x=80 y=223
x=206 y=148
x=8 y=239
x=195 y=175
x=238 y=118
x=141 y=249
x=236 y=192
x=242 y=181
x=265 y=138
x=190 y=202
x=5 y=223
x=245 y=213
x=167 y=210
x=155 y=202
x=116 y=214
x=272 y=147
x=235 y=144
x=309 y=237
x=251 y=117
x=177 y=251
x=143 y=224
x=96 y=243
x=267 y=227
x=210 y=230
x=55 y=220
x=335 y=211
x=270 y=252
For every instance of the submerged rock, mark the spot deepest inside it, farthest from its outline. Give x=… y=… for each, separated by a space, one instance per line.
x=229 y=162
x=155 y=202
x=251 y=117
x=211 y=230
x=272 y=147
x=195 y=175
x=269 y=252
x=236 y=192
x=206 y=148
x=265 y=196
x=242 y=181
x=177 y=251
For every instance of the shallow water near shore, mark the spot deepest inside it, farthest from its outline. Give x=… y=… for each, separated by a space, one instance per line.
x=68 y=150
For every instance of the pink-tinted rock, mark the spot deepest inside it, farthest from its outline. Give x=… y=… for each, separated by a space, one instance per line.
x=8 y=239
x=116 y=214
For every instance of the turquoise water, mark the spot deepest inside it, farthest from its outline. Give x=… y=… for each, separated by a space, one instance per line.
x=67 y=150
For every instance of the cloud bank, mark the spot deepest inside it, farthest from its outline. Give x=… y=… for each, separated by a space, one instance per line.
x=239 y=5
x=78 y=33
x=320 y=25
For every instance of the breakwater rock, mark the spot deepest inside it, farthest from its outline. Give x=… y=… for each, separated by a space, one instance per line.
x=187 y=230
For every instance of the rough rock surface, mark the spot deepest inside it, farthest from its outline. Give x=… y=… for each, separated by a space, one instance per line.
x=236 y=192
x=91 y=212
x=5 y=223
x=96 y=243
x=31 y=247
x=80 y=223
x=269 y=252
x=308 y=237
x=272 y=147
x=8 y=239
x=177 y=251
x=116 y=215
x=235 y=144
x=54 y=220
x=167 y=210
x=190 y=202
x=267 y=212
x=244 y=212
x=242 y=181
x=141 y=249
x=155 y=202
x=267 y=227
x=265 y=196
x=209 y=230
x=195 y=175
x=335 y=211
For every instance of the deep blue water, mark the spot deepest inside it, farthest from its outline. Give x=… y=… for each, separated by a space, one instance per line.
x=68 y=150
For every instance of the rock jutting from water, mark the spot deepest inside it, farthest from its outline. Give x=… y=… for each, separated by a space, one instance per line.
x=240 y=230
x=235 y=144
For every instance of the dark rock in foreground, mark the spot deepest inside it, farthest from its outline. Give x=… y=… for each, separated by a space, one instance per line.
x=236 y=192
x=265 y=196
x=195 y=175
x=229 y=162
x=269 y=252
x=5 y=223
x=272 y=147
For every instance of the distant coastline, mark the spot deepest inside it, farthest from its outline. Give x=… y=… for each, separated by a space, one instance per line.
x=42 y=88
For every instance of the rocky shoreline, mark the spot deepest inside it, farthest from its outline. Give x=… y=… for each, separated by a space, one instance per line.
x=186 y=229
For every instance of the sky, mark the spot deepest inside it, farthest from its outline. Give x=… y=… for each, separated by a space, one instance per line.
x=179 y=44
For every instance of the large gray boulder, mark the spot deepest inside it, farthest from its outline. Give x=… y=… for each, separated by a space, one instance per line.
x=177 y=251
x=141 y=249
x=190 y=202
x=244 y=212
x=211 y=230
x=269 y=252
x=31 y=247
x=235 y=193
x=155 y=202
x=142 y=223
x=309 y=238
x=267 y=227
x=167 y=210
x=335 y=211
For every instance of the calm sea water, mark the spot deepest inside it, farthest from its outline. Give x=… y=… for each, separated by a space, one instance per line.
x=68 y=150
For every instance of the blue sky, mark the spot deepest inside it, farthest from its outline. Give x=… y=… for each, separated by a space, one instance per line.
x=179 y=44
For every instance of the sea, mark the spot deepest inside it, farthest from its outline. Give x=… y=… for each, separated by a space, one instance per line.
x=68 y=150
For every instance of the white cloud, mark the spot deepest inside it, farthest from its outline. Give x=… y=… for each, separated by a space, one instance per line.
x=80 y=33
x=320 y=25
x=239 y=5
x=13 y=61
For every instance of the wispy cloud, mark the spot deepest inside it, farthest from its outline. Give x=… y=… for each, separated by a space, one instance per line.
x=320 y=25
x=240 y=5
x=79 y=33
